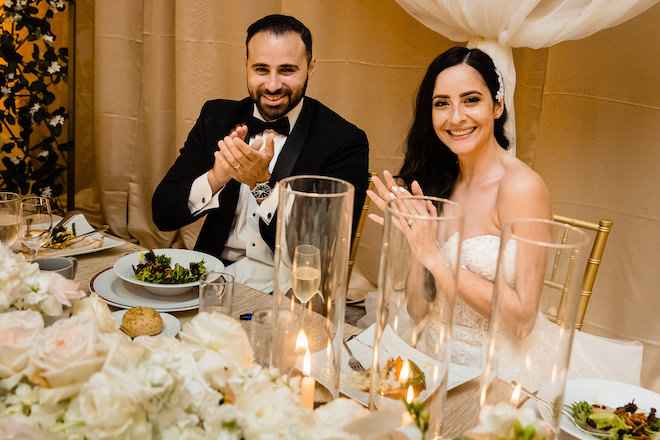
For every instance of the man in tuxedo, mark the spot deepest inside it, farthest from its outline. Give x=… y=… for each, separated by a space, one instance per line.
x=230 y=165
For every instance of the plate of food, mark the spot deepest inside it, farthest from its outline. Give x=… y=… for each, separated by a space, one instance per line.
x=119 y=293
x=610 y=407
x=355 y=384
x=74 y=237
x=166 y=272
x=146 y=321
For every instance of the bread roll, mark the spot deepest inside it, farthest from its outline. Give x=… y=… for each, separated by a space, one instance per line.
x=140 y=321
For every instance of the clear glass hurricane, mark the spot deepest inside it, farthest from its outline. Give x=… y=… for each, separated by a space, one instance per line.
x=534 y=309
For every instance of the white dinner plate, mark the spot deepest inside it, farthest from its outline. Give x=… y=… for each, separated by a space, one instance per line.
x=125 y=295
x=86 y=245
x=362 y=348
x=605 y=392
x=124 y=269
x=171 y=324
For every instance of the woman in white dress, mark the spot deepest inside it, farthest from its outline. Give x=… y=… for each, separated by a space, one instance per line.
x=456 y=149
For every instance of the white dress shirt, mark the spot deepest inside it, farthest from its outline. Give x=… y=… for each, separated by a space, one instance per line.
x=253 y=259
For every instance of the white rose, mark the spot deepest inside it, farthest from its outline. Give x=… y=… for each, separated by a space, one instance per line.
x=59 y=292
x=220 y=346
x=499 y=420
x=14 y=269
x=18 y=332
x=67 y=354
x=97 y=310
x=110 y=406
x=22 y=428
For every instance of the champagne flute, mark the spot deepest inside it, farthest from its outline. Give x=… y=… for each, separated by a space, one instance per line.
x=38 y=223
x=306 y=274
x=10 y=217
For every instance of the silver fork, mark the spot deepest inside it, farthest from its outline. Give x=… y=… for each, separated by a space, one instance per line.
x=352 y=361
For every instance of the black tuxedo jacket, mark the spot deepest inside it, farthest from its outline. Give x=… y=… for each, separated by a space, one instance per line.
x=321 y=143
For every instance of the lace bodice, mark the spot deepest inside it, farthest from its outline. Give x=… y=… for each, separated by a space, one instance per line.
x=479 y=256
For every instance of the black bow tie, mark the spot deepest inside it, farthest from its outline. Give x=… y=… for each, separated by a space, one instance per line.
x=256 y=126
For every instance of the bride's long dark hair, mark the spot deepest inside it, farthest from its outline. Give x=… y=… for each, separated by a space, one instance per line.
x=427 y=159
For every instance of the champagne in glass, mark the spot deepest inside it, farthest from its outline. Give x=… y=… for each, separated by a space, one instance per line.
x=37 y=222
x=306 y=276
x=10 y=217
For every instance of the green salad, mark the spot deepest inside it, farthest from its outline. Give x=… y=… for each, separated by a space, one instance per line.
x=156 y=269
x=622 y=423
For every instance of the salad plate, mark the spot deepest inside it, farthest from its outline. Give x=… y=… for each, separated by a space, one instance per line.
x=124 y=269
x=171 y=324
x=124 y=295
x=605 y=392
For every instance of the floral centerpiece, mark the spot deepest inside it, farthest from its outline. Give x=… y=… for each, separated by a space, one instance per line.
x=82 y=378
x=24 y=287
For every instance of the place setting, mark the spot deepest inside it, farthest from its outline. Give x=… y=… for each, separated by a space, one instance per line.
x=167 y=279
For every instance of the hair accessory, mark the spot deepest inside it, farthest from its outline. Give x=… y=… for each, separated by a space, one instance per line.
x=499 y=96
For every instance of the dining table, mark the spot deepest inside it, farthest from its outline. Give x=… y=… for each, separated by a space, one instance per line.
x=461 y=405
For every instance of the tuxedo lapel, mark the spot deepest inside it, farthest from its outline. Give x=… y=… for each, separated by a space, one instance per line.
x=294 y=144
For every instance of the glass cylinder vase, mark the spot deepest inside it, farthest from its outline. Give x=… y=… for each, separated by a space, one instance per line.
x=534 y=309
x=417 y=291
x=312 y=248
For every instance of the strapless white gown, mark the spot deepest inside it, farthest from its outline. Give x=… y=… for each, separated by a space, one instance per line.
x=591 y=356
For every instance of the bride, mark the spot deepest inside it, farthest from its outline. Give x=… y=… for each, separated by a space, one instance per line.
x=456 y=149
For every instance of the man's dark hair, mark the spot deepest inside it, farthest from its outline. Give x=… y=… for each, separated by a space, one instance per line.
x=279 y=25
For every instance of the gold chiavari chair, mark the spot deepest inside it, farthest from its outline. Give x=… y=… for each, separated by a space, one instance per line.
x=358 y=230
x=602 y=229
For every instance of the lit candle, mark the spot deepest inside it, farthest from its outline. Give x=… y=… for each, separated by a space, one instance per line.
x=308 y=383
x=515 y=395
x=407 y=418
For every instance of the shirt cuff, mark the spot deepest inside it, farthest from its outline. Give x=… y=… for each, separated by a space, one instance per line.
x=201 y=195
x=267 y=208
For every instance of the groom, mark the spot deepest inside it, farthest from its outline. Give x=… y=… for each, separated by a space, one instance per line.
x=236 y=153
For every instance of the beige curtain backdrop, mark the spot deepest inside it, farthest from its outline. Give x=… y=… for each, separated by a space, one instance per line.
x=587 y=120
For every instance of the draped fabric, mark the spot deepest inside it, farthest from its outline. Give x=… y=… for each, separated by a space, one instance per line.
x=588 y=118
x=496 y=26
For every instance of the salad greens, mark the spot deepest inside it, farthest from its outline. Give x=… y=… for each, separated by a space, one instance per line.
x=156 y=269
x=623 y=423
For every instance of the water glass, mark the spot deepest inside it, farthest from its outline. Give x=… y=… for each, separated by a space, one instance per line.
x=10 y=217
x=274 y=340
x=314 y=221
x=216 y=293
x=417 y=291
x=37 y=220
x=534 y=309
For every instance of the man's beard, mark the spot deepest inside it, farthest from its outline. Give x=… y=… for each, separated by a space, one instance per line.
x=271 y=113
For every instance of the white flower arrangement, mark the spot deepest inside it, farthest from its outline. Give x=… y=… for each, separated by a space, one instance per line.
x=503 y=421
x=81 y=378
x=24 y=287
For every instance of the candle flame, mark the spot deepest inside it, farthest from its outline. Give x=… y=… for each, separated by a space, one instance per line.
x=405 y=372
x=301 y=341
x=516 y=394
x=410 y=395
x=307 y=363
